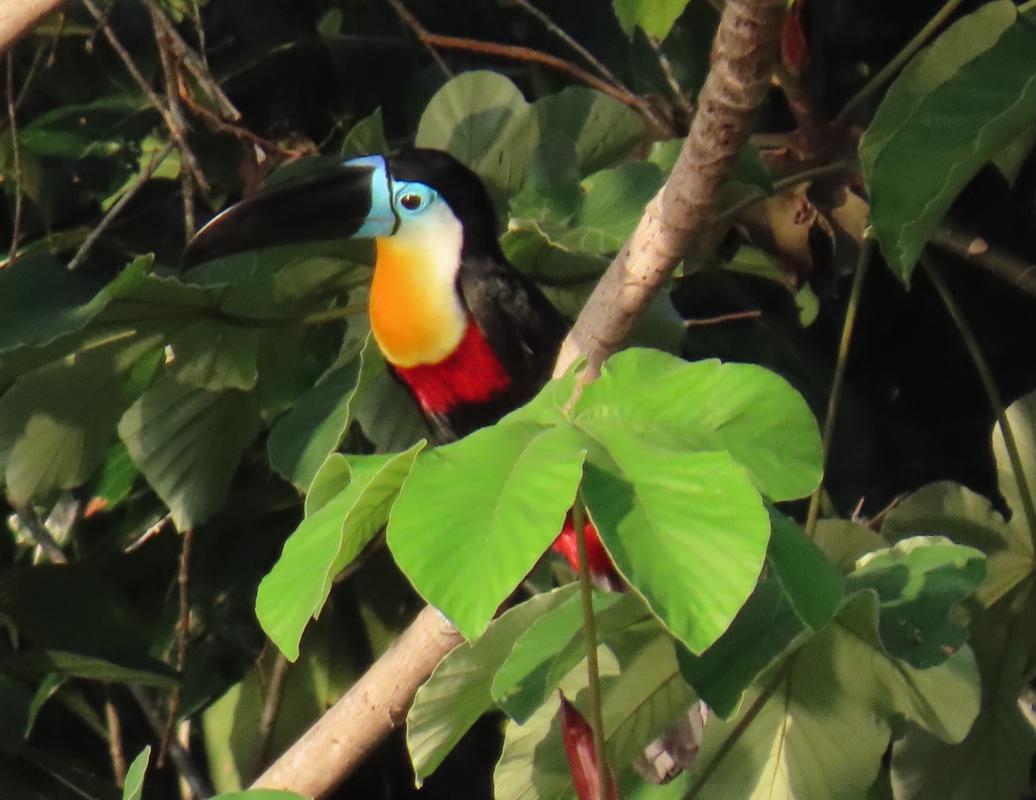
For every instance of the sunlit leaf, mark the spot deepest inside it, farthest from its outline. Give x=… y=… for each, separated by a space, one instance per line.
x=951 y=110
x=656 y=17
x=475 y=516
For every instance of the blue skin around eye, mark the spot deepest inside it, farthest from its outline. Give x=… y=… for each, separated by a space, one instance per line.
x=381 y=219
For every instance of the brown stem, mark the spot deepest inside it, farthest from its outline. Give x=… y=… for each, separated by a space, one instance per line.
x=976 y=250
x=742 y=63
x=528 y=55
x=271 y=705
x=182 y=631
x=177 y=753
x=12 y=121
x=190 y=160
x=115 y=750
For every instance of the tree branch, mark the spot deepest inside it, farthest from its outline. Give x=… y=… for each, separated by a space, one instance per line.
x=742 y=62
x=375 y=705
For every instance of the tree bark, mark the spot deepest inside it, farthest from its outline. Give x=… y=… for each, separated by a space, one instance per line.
x=743 y=56
x=18 y=17
x=375 y=705
x=743 y=59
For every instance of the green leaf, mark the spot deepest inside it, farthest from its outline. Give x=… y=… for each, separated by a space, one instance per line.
x=482 y=119
x=812 y=584
x=613 y=205
x=919 y=582
x=764 y=630
x=1021 y=416
x=458 y=691
x=844 y=542
x=215 y=355
x=187 y=442
x=993 y=761
x=655 y=17
x=314 y=426
x=384 y=410
x=555 y=643
x=955 y=107
x=951 y=510
x=366 y=136
x=77 y=665
x=62 y=302
x=114 y=480
x=49 y=686
x=686 y=529
x=796 y=744
x=475 y=515
x=641 y=696
x=133 y=787
x=586 y=128
x=326 y=542
x=746 y=410
x=58 y=422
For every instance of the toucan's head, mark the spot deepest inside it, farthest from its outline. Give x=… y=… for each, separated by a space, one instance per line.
x=414 y=192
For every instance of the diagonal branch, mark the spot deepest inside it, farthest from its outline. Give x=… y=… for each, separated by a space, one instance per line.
x=743 y=57
x=18 y=17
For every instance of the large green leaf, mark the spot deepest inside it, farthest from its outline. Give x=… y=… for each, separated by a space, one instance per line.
x=555 y=643
x=656 y=17
x=641 y=696
x=764 y=630
x=58 y=422
x=840 y=687
x=458 y=691
x=994 y=760
x=956 y=106
x=748 y=411
x=919 y=581
x=482 y=119
x=475 y=515
x=811 y=582
x=314 y=426
x=686 y=529
x=326 y=542
x=77 y=665
x=61 y=302
x=213 y=354
x=187 y=442
x=951 y=510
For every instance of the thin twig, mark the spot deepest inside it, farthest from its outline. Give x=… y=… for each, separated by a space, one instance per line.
x=271 y=705
x=866 y=248
x=559 y=32
x=115 y=750
x=976 y=250
x=889 y=71
x=222 y=126
x=721 y=319
x=150 y=533
x=593 y=674
x=411 y=22
x=182 y=631
x=670 y=76
x=194 y=63
x=190 y=160
x=985 y=374
x=121 y=203
x=38 y=533
x=171 y=78
x=179 y=756
x=528 y=55
x=12 y=121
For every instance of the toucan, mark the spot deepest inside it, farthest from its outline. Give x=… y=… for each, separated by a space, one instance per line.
x=469 y=336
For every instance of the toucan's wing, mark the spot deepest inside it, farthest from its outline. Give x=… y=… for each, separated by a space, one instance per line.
x=520 y=324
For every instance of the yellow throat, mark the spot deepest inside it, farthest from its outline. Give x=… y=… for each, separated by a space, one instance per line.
x=416 y=314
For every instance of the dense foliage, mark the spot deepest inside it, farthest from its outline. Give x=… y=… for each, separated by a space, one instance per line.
x=221 y=508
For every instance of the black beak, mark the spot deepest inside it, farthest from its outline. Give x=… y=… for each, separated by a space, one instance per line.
x=336 y=205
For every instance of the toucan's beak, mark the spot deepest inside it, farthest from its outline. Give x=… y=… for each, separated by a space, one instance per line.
x=336 y=205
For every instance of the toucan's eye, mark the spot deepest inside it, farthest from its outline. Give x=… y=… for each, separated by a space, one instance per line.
x=411 y=202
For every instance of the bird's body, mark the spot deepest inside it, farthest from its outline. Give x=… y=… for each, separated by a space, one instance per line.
x=469 y=336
